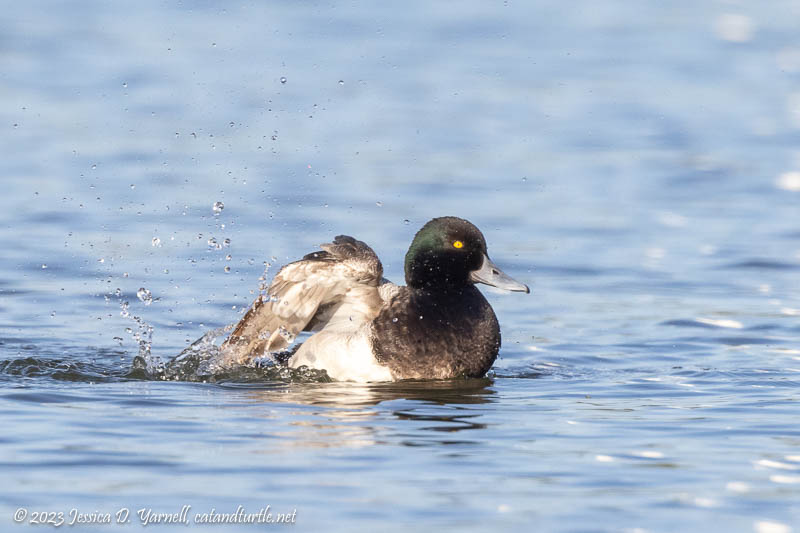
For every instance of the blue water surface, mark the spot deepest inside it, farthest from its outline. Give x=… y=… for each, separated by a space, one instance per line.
x=637 y=164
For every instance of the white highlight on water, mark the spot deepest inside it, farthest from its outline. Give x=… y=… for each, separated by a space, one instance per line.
x=769 y=463
x=649 y=454
x=768 y=526
x=783 y=479
x=721 y=322
x=789 y=181
x=735 y=28
x=737 y=486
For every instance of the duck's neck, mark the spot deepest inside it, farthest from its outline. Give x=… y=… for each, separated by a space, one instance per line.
x=454 y=304
x=445 y=292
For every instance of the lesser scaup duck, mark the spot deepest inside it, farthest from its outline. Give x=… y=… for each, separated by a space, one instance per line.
x=439 y=326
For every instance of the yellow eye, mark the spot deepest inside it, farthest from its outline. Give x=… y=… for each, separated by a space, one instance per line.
x=458 y=244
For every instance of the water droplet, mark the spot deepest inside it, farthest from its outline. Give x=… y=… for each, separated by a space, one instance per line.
x=283 y=79
x=212 y=243
x=286 y=334
x=94 y=167
x=144 y=295
x=133 y=186
x=406 y=222
x=394 y=319
x=125 y=274
x=379 y=204
x=44 y=266
x=227 y=269
x=228 y=257
x=226 y=242
x=341 y=82
x=218 y=207
x=156 y=242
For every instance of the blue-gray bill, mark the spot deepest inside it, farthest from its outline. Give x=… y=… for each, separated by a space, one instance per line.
x=490 y=274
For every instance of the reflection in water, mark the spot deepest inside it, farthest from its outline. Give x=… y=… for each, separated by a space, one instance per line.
x=347 y=414
x=345 y=394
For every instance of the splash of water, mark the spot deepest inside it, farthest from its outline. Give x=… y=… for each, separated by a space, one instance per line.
x=143 y=335
x=200 y=361
x=205 y=361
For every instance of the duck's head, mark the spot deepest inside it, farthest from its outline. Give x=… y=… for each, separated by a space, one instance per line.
x=450 y=253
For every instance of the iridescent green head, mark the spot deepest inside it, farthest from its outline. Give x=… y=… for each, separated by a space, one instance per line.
x=450 y=253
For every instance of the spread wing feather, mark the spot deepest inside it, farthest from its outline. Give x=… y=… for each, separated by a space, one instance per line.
x=337 y=285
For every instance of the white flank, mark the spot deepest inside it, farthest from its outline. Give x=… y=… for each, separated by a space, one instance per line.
x=344 y=355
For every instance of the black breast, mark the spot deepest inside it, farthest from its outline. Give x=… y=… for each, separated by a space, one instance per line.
x=436 y=335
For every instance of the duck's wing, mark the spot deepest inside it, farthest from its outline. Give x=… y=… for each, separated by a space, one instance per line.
x=337 y=287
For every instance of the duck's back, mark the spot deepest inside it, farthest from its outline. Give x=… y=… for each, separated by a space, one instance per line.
x=439 y=335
